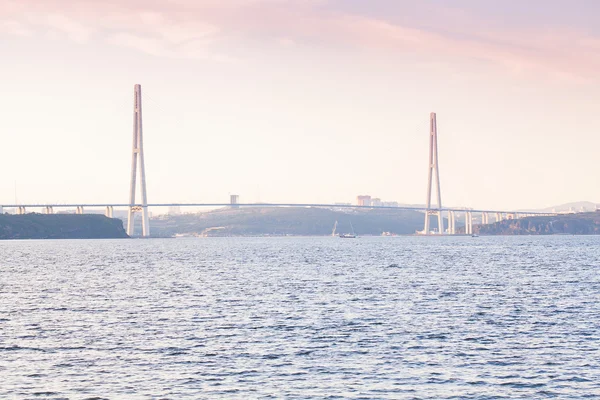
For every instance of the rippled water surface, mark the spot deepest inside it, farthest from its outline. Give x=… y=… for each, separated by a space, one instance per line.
x=370 y=318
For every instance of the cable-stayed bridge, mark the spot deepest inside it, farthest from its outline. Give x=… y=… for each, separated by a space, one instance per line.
x=138 y=168
x=451 y=213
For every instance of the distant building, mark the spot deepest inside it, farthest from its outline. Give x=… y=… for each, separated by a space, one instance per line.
x=234 y=200
x=364 y=201
x=376 y=202
x=174 y=210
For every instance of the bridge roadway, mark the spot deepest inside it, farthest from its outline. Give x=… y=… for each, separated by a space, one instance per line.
x=94 y=205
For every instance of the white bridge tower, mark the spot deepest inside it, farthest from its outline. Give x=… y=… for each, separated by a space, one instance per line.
x=433 y=167
x=138 y=155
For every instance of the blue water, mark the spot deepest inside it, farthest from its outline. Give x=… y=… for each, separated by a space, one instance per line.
x=297 y=318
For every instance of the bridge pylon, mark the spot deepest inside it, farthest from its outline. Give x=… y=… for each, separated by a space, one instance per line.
x=138 y=157
x=433 y=172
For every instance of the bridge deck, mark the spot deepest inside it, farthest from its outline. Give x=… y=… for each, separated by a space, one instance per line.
x=93 y=205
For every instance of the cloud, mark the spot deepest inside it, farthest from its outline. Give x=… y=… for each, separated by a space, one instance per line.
x=161 y=35
x=210 y=29
x=161 y=47
x=75 y=30
x=15 y=28
x=145 y=44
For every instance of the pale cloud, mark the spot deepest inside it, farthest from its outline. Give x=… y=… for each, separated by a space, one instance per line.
x=158 y=34
x=563 y=55
x=15 y=28
x=161 y=47
x=145 y=44
x=204 y=30
x=286 y=42
x=75 y=30
x=176 y=31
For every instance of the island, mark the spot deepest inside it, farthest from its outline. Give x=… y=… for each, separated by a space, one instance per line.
x=60 y=226
x=289 y=221
x=587 y=223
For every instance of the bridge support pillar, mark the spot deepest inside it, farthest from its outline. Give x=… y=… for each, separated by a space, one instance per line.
x=434 y=213
x=48 y=210
x=485 y=218
x=468 y=223
x=21 y=210
x=79 y=210
x=498 y=216
x=109 y=211
x=451 y=222
x=138 y=157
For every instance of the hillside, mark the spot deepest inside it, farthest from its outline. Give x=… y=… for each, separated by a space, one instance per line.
x=256 y=221
x=60 y=226
x=575 y=224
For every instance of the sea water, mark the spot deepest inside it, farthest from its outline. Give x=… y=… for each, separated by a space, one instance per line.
x=299 y=318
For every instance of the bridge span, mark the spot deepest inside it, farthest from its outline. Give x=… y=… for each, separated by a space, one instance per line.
x=450 y=213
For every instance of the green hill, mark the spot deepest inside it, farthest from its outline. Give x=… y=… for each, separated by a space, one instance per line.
x=574 y=224
x=60 y=226
x=301 y=221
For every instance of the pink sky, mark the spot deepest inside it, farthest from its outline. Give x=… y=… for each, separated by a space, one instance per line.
x=310 y=100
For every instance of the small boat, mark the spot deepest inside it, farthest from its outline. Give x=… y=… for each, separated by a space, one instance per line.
x=474 y=235
x=348 y=235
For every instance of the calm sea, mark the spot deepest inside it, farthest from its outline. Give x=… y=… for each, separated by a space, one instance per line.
x=299 y=318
